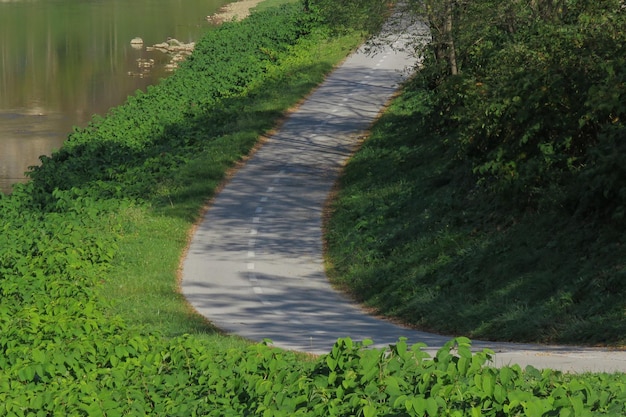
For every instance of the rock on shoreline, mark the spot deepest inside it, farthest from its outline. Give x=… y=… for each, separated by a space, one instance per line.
x=179 y=51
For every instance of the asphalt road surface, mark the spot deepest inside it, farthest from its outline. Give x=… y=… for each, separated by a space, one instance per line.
x=254 y=266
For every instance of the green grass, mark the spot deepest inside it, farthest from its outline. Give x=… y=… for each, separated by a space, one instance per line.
x=413 y=237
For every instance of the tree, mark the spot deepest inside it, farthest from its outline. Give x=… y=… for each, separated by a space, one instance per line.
x=440 y=18
x=549 y=10
x=536 y=98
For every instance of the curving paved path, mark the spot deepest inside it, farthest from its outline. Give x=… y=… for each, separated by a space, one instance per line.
x=254 y=266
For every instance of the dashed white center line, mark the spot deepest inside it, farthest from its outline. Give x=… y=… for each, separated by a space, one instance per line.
x=253 y=232
x=250 y=254
x=263 y=199
x=256 y=220
x=251 y=242
x=270 y=189
x=257 y=290
x=250 y=266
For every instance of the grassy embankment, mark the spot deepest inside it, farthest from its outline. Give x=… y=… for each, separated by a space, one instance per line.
x=490 y=204
x=418 y=243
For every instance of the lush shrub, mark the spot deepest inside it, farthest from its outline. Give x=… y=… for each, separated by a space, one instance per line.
x=180 y=378
x=539 y=101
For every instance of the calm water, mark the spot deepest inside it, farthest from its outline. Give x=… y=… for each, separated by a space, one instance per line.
x=62 y=61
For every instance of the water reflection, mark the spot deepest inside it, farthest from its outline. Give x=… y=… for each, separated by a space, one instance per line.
x=62 y=61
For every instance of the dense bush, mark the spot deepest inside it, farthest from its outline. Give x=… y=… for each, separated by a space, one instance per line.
x=142 y=375
x=538 y=104
x=366 y=15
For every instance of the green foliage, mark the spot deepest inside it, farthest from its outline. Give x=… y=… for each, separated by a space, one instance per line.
x=539 y=101
x=180 y=377
x=367 y=15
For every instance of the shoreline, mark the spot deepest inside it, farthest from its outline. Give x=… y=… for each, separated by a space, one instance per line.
x=237 y=10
